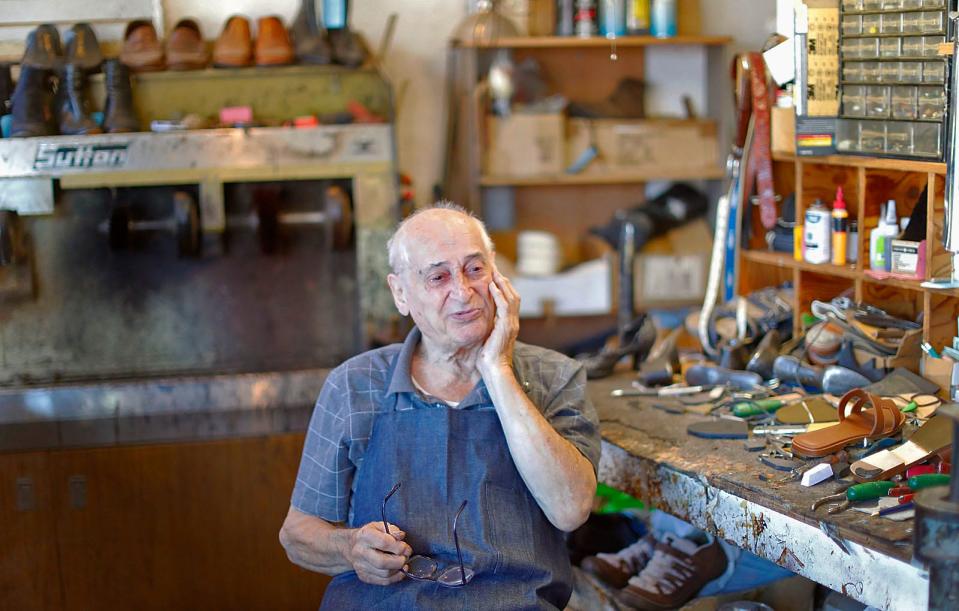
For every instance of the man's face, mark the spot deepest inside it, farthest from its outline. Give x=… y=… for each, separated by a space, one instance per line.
x=444 y=285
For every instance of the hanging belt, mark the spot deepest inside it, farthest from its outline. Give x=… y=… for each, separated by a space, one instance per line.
x=753 y=98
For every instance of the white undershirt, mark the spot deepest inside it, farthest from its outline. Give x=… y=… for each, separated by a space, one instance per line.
x=426 y=392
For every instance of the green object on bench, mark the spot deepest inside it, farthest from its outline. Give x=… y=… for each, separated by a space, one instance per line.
x=615 y=501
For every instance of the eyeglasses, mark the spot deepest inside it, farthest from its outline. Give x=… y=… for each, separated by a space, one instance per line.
x=424 y=568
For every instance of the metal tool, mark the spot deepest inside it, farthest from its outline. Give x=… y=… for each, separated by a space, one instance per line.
x=852 y=494
x=665 y=391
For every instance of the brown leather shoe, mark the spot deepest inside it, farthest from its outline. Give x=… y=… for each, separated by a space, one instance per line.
x=234 y=47
x=142 y=51
x=273 y=47
x=185 y=49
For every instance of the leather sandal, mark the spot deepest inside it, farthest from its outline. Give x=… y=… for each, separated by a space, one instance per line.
x=929 y=439
x=870 y=417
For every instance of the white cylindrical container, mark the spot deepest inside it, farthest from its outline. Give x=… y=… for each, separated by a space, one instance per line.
x=817 y=234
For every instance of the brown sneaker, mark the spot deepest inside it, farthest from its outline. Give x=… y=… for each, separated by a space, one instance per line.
x=678 y=570
x=141 y=50
x=273 y=47
x=234 y=47
x=616 y=569
x=185 y=49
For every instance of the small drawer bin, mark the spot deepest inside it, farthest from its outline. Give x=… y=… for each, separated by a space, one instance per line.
x=852 y=72
x=930 y=45
x=925 y=139
x=934 y=72
x=851 y=48
x=854 y=101
x=889 y=72
x=852 y=5
x=871 y=24
x=931 y=22
x=903 y=102
x=847 y=135
x=932 y=103
x=934 y=3
x=912 y=23
x=852 y=25
x=872 y=136
x=898 y=138
x=871 y=5
x=910 y=72
x=871 y=72
x=877 y=102
x=912 y=46
x=888 y=47
x=911 y=3
x=891 y=23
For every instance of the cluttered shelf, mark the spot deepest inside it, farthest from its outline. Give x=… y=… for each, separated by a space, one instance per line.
x=874 y=163
x=709 y=173
x=558 y=42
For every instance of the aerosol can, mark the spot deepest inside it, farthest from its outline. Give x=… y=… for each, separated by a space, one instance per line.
x=817 y=233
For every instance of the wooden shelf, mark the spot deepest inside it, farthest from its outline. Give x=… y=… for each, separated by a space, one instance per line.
x=783 y=259
x=567 y=42
x=875 y=163
x=600 y=179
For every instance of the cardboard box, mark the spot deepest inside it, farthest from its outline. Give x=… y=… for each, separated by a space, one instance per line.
x=672 y=270
x=652 y=147
x=524 y=145
x=784 y=130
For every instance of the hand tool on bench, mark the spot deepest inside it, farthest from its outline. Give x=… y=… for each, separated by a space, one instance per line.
x=853 y=494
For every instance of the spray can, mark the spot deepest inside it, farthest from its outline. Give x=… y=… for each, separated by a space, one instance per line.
x=663 y=18
x=564 y=17
x=816 y=234
x=852 y=244
x=612 y=18
x=840 y=219
x=637 y=17
x=585 y=18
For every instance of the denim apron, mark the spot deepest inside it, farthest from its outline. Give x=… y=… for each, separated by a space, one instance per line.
x=443 y=456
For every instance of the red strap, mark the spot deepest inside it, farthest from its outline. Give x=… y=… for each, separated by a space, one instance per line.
x=759 y=168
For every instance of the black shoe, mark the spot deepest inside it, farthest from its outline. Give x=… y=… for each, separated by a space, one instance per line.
x=82 y=48
x=309 y=39
x=662 y=363
x=73 y=107
x=847 y=359
x=348 y=49
x=118 y=114
x=32 y=104
x=637 y=341
x=43 y=48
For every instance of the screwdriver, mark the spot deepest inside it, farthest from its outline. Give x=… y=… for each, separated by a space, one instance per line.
x=745 y=409
x=918 y=482
x=859 y=492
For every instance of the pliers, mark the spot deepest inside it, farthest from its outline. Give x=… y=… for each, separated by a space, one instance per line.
x=852 y=494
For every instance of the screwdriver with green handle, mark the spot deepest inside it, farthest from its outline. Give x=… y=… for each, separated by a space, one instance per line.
x=852 y=494
x=745 y=409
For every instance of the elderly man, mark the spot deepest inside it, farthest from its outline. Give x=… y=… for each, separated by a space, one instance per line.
x=460 y=421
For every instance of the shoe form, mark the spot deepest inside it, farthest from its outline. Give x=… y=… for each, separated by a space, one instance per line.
x=309 y=39
x=142 y=50
x=617 y=568
x=272 y=47
x=82 y=47
x=234 y=47
x=43 y=49
x=663 y=361
x=73 y=106
x=348 y=50
x=762 y=359
x=638 y=340
x=118 y=112
x=185 y=48
x=32 y=103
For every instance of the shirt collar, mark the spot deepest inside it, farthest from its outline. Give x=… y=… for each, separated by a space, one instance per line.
x=401 y=379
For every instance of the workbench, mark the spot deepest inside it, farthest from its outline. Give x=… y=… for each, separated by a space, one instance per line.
x=717 y=485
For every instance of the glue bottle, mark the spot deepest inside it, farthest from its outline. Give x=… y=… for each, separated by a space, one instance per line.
x=880 y=236
x=816 y=238
x=840 y=219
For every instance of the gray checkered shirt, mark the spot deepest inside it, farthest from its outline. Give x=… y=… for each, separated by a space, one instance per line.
x=362 y=387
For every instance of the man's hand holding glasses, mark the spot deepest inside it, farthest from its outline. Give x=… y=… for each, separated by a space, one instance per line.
x=378 y=557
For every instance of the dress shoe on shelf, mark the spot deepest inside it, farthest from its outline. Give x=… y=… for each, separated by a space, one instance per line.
x=118 y=113
x=6 y=88
x=273 y=47
x=74 y=110
x=43 y=48
x=82 y=47
x=185 y=49
x=32 y=103
x=309 y=38
x=234 y=47
x=142 y=51
x=348 y=49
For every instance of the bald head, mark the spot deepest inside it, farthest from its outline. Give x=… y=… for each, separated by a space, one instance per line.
x=445 y=221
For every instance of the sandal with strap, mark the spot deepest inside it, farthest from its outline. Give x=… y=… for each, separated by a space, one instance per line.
x=870 y=417
x=931 y=438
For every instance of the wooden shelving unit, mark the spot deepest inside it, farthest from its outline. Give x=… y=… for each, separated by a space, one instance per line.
x=574 y=42
x=867 y=183
x=607 y=179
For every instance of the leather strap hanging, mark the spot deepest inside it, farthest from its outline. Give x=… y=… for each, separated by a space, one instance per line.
x=759 y=168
